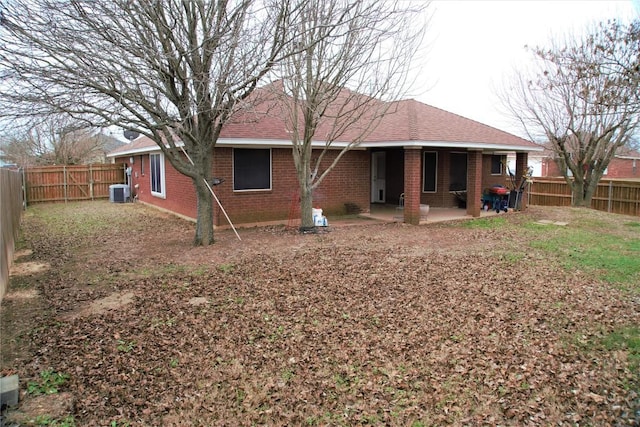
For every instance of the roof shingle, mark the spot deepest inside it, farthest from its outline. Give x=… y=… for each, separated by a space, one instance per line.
x=407 y=121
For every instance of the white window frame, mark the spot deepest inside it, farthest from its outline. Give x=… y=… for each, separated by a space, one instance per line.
x=163 y=188
x=501 y=165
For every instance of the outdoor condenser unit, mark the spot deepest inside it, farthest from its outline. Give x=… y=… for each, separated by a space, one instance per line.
x=118 y=193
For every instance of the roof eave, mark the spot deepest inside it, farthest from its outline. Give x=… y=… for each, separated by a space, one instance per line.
x=448 y=144
x=241 y=142
x=281 y=143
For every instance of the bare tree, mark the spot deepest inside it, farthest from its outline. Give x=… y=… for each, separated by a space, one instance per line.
x=56 y=140
x=582 y=100
x=348 y=60
x=25 y=148
x=175 y=71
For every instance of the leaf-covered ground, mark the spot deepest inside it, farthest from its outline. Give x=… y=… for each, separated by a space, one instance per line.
x=368 y=324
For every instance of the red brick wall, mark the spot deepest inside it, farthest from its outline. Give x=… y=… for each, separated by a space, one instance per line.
x=476 y=166
x=180 y=196
x=618 y=168
x=550 y=168
x=412 y=185
x=349 y=182
x=443 y=197
x=623 y=168
x=489 y=179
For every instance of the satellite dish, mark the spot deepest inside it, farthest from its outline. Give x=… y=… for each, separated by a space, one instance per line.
x=131 y=134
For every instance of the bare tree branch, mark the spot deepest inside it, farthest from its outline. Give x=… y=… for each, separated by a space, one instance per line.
x=172 y=70
x=582 y=99
x=349 y=60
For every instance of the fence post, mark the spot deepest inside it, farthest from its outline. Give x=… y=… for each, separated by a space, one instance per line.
x=64 y=182
x=24 y=189
x=572 y=204
x=610 y=201
x=91 y=180
x=10 y=214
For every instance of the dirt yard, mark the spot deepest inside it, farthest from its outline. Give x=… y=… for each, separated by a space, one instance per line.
x=364 y=324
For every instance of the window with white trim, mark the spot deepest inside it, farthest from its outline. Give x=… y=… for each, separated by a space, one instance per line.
x=496 y=165
x=251 y=169
x=156 y=174
x=429 y=171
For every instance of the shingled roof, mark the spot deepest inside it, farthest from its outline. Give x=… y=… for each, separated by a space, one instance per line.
x=407 y=123
x=416 y=122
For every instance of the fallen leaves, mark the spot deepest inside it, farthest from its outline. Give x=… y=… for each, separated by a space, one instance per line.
x=371 y=325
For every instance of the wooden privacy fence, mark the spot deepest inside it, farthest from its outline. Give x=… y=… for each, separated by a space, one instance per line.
x=11 y=205
x=612 y=195
x=71 y=183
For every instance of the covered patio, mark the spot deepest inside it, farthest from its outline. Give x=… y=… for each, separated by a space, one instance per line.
x=427 y=156
x=391 y=213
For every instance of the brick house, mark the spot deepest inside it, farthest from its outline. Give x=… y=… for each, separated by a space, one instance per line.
x=418 y=151
x=624 y=165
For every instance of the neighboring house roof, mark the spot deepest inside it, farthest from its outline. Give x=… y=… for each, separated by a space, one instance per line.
x=621 y=153
x=628 y=153
x=408 y=123
x=142 y=144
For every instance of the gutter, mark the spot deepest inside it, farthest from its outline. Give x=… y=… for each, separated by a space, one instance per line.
x=274 y=143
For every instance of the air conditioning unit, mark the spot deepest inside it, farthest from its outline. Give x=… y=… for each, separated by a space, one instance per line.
x=119 y=193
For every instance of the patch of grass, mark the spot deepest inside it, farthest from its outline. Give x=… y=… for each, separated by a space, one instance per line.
x=171 y=269
x=84 y=222
x=491 y=222
x=512 y=257
x=126 y=346
x=158 y=323
x=287 y=375
x=632 y=224
x=610 y=257
x=341 y=380
x=240 y=396
x=46 y=420
x=627 y=339
x=201 y=270
x=535 y=227
x=226 y=268
x=49 y=383
x=277 y=334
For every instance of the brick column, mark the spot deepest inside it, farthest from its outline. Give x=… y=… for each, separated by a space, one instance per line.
x=474 y=182
x=522 y=166
x=412 y=185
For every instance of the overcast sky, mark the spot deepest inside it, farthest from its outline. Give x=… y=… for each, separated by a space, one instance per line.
x=472 y=45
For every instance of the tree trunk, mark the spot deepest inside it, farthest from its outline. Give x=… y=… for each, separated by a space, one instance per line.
x=204 y=223
x=577 y=191
x=590 y=189
x=306 y=214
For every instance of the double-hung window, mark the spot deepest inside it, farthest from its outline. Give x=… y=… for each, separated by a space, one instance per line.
x=156 y=174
